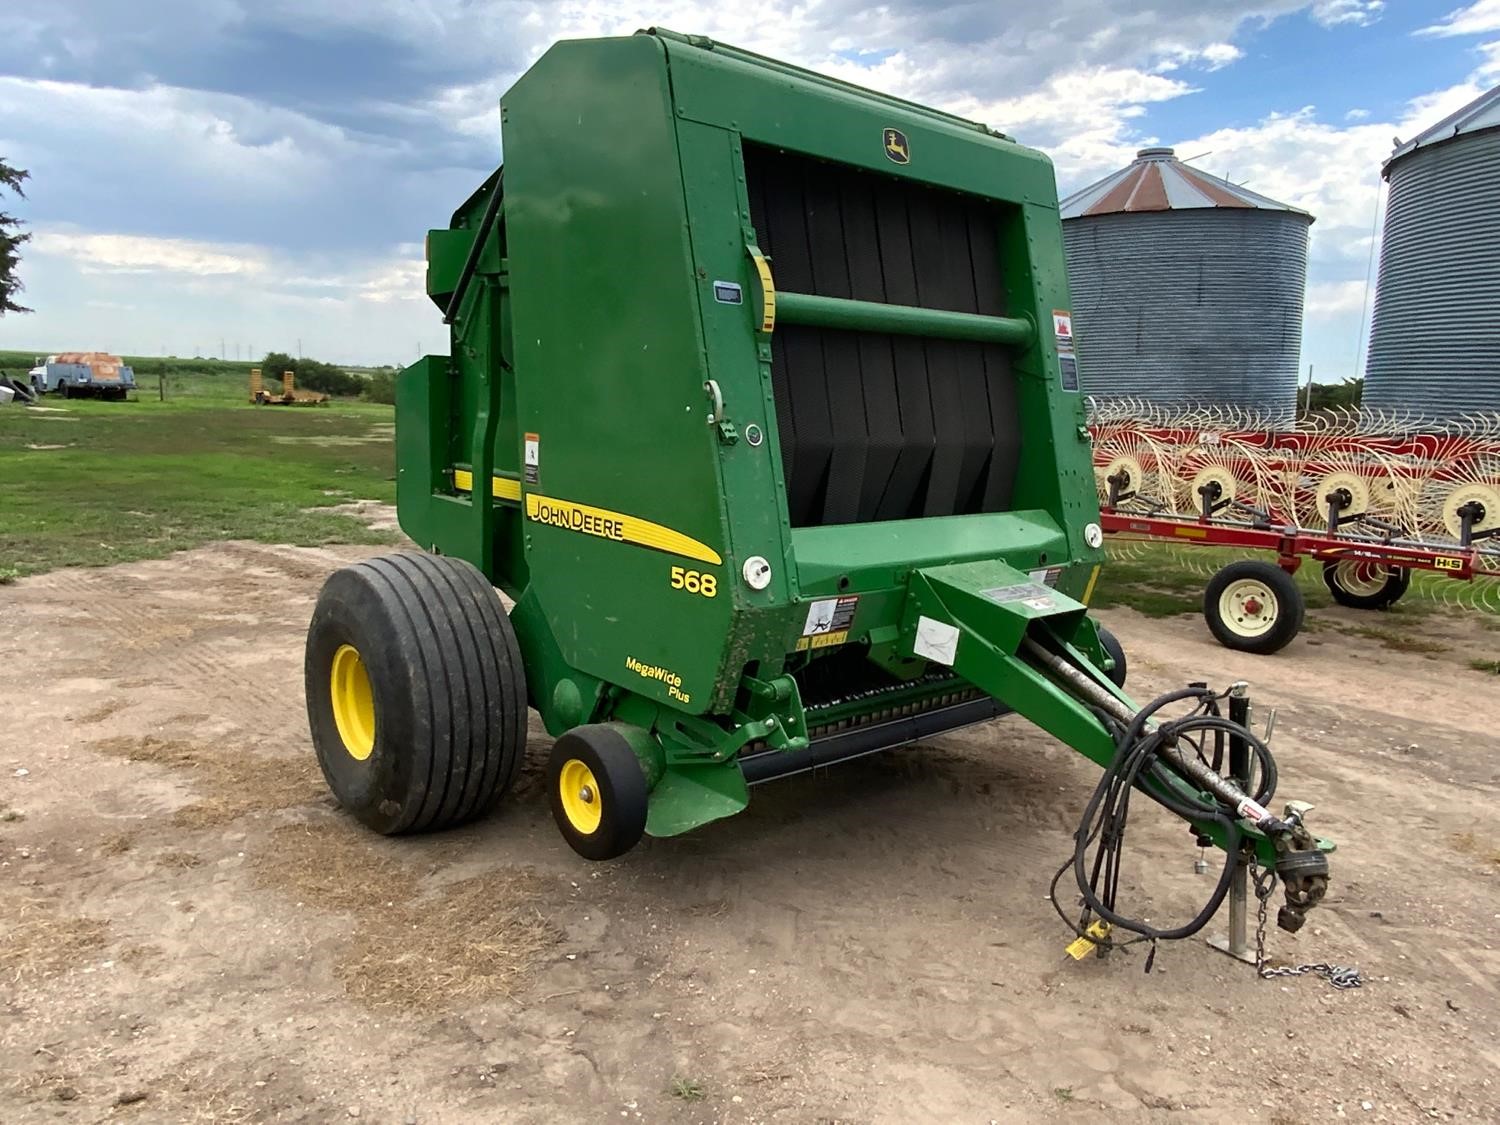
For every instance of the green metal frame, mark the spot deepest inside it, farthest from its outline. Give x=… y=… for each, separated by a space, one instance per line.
x=586 y=329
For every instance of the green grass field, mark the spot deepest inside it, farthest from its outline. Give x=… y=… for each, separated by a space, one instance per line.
x=173 y=378
x=86 y=483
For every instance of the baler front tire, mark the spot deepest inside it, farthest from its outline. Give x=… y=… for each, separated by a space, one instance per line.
x=1116 y=651
x=598 y=791
x=416 y=696
x=1253 y=606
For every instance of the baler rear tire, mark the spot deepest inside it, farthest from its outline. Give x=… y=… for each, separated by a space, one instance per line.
x=1116 y=651
x=598 y=791
x=416 y=696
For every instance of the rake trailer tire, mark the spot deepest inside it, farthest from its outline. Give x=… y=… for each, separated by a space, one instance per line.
x=1116 y=651
x=416 y=696
x=1365 y=585
x=1253 y=606
x=598 y=791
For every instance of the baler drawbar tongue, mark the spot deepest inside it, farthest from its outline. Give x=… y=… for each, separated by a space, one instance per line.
x=1006 y=634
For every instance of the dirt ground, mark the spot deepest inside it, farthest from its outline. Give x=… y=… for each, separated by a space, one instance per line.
x=189 y=931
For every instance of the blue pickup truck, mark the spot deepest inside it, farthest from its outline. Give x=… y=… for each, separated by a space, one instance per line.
x=83 y=375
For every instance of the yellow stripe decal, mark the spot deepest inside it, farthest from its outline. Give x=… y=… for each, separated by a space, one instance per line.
x=505 y=488
x=767 y=290
x=588 y=520
x=1088 y=591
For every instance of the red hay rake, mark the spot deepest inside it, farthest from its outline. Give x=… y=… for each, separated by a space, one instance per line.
x=1371 y=497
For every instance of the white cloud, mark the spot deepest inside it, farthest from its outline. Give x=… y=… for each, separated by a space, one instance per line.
x=1335 y=13
x=1330 y=299
x=1429 y=109
x=145 y=295
x=170 y=137
x=1218 y=55
x=1489 y=66
x=1329 y=170
x=1476 y=19
x=123 y=253
x=1083 y=119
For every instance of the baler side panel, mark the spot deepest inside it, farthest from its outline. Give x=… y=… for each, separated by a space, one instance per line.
x=1031 y=250
x=738 y=358
x=457 y=416
x=625 y=516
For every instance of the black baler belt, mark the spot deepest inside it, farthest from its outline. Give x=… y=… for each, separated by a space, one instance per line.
x=874 y=426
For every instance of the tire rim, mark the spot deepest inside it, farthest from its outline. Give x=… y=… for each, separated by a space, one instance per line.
x=580 y=796
x=1248 y=608
x=353 y=702
x=1363 y=579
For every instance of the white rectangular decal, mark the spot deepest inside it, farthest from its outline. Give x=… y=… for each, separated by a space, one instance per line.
x=936 y=641
x=531 y=459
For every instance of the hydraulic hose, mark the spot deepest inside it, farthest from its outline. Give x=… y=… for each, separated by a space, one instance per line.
x=1156 y=752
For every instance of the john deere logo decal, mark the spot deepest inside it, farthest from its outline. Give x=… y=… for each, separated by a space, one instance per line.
x=897 y=147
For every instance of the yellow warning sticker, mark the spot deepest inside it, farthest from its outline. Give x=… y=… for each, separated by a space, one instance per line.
x=767 y=290
x=1088 y=591
x=605 y=524
x=504 y=488
x=822 y=640
x=1081 y=947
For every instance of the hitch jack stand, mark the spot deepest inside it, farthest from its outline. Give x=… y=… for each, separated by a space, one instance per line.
x=1236 y=943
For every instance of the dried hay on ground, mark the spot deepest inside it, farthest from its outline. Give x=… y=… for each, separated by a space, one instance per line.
x=38 y=941
x=239 y=781
x=467 y=940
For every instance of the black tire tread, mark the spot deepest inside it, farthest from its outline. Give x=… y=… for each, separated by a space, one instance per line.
x=468 y=699
x=509 y=677
x=1111 y=644
x=1396 y=585
x=623 y=790
x=1282 y=584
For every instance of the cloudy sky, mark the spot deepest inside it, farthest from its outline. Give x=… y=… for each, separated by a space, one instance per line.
x=260 y=172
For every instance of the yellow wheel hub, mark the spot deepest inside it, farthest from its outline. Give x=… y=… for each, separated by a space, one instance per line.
x=353 y=702
x=580 y=796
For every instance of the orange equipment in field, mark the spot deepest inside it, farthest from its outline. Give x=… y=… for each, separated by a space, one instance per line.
x=289 y=396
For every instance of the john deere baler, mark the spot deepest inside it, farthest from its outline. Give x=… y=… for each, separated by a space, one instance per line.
x=763 y=408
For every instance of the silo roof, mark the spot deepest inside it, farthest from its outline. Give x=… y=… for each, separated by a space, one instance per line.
x=1157 y=181
x=1482 y=113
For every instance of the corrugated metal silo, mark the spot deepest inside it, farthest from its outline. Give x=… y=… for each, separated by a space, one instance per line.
x=1435 y=340
x=1187 y=289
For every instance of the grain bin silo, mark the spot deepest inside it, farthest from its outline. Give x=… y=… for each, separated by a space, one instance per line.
x=1187 y=289
x=1435 y=339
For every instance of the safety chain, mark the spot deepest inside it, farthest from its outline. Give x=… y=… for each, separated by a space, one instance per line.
x=1340 y=976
